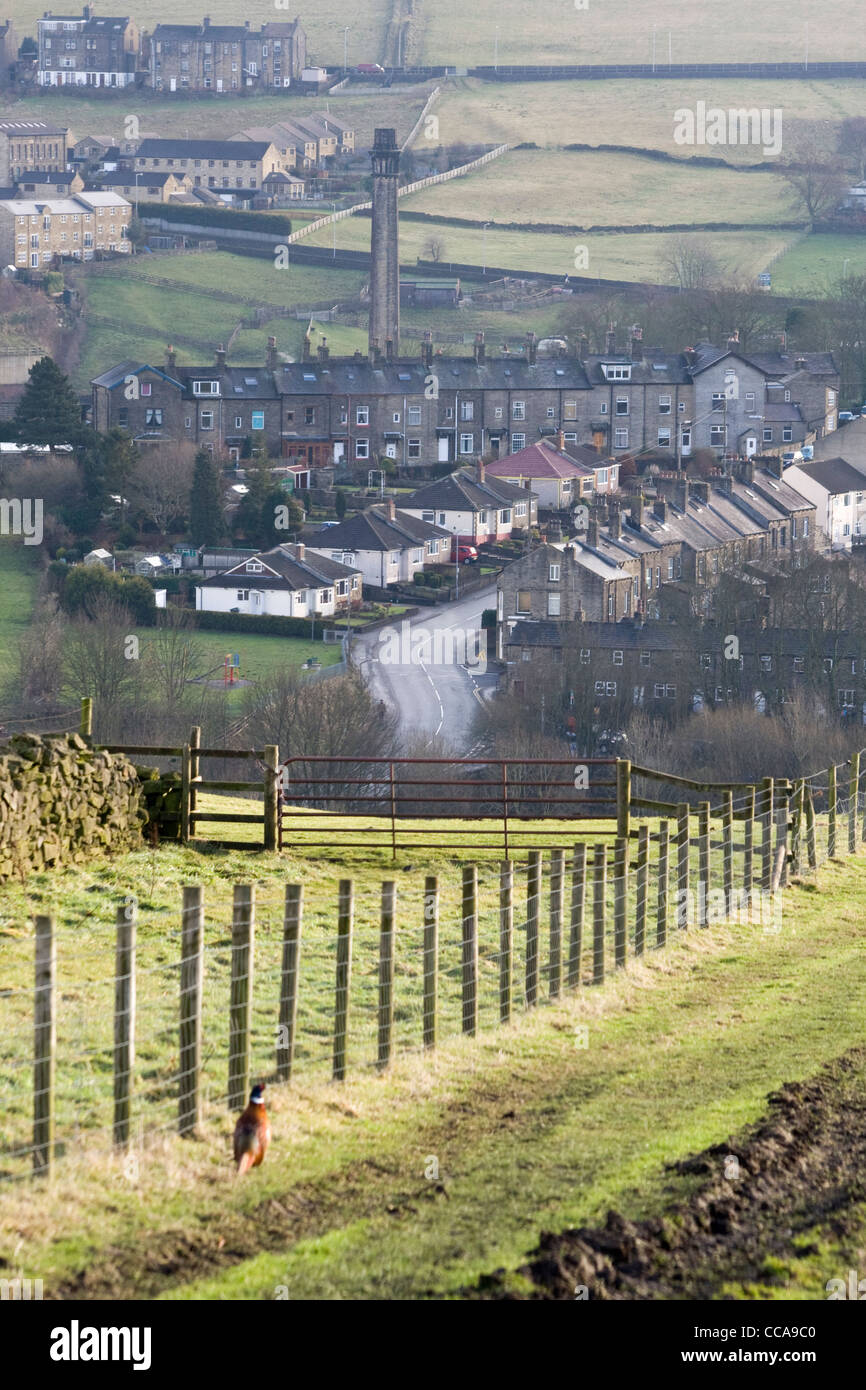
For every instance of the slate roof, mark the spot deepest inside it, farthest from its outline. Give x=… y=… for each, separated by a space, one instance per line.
x=542 y=459
x=461 y=492
x=653 y=367
x=286 y=571
x=345 y=376
x=202 y=149
x=373 y=530
x=836 y=475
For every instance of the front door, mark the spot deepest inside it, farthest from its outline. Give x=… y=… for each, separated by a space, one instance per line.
x=443 y=450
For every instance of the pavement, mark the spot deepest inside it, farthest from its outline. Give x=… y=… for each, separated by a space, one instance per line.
x=428 y=669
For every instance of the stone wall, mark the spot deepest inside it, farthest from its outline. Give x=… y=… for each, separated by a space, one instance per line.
x=62 y=803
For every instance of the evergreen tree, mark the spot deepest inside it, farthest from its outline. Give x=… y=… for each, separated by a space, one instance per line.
x=48 y=411
x=205 y=503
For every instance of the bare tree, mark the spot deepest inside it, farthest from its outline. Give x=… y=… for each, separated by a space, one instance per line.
x=690 y=262
x=173 y=658
x=161 y=483
x=99 y=660
x=815 y=179
x=852 y=142
x=434 y=248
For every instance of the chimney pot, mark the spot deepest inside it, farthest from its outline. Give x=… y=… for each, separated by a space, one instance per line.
x=480 y=471
x=171 y=357
x=390 y=509
x=300 y=551
x=560 y=441
x=660 y=508
x=592 y=533
x=220 y=356
x=531 y=349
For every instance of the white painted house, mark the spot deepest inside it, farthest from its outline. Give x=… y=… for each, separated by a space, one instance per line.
x=286 y=582
x=838 y=490
x=388 y=546
x=474 y=506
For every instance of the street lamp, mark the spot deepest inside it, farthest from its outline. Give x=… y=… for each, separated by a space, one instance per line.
x=333 y=207
x=484 y=247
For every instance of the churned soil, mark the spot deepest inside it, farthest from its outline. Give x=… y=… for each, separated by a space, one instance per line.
x=802 y=1166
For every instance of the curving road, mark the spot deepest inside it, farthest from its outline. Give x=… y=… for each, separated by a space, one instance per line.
x=427 y=669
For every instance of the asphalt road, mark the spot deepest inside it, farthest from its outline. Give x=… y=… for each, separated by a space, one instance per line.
x=428 y=669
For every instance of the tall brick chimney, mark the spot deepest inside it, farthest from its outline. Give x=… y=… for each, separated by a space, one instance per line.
x=385 y=241
x=271 y=359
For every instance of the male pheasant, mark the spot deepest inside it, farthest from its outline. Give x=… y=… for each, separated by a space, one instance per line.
x=252 y=1133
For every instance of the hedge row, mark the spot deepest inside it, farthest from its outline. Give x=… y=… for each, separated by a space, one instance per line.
x=269 y=625
x=204 y=216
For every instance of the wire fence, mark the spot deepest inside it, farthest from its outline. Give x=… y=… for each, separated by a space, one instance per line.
x=122 y=1020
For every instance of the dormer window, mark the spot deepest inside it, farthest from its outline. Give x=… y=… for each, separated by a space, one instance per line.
x=254 y=567
x=205 y=388
x=616 y=372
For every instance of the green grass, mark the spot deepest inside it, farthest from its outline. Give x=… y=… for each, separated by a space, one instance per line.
x=258 y=280
x=18 y=580
x=531 y=1131
x=260 y=656
x=603 y=189
x=617 y=256
x=562 y=33
x=817 y=263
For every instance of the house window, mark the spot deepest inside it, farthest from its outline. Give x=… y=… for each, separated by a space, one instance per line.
x=362 y=448
x=258 y=420
x=620 y=439
x=309 y=414
x=362 y=415
x=750 y=402
x=622 y=405
x=828 y=665
x=153 y=417
x=146 y=388
x=664 y=405
x=718 y=400
x=497 y=412
x=617 y=658
x=524 y=601
x=610 y=612
x=787 y=434
x=414 y=415
x=569 y=410
x=414 y=452
x=551 y=413
x=717 y=435
x=607 y=688
x=645 y=658
x=396 y=417
x=207 y=420
x=429 y=517
x=767 y=436
x=585 y=654
x=518 y=442
x=766 y=663
x=846 y=699
x=553 y=574
x=467 y=443
x=664 y=438
x=123 y=415
x=467 y=410
x=617 y=373
x=553 y=605
x=799 y=665
x=518 y=410
x=239 y=422
x=243 y=595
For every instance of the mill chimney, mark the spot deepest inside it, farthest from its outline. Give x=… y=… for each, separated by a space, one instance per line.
x=384 y=244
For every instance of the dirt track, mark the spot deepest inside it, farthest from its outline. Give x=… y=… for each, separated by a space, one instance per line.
x=803 y=1165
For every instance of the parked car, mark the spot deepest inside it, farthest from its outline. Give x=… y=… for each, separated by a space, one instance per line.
x=845 y=416
x=371 y=69
x=463 y=553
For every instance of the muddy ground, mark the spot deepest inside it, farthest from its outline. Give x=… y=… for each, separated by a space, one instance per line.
x=803 y=1166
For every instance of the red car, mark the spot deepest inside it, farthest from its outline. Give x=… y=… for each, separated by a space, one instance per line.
x=463 y=553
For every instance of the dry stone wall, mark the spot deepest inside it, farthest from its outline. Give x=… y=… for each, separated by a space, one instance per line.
x=62 y=803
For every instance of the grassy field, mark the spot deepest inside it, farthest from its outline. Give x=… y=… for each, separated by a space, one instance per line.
x=18 y=580
x=818 y=262
x=701 y=32
x=604 y=189
x=576 y=1107
x=629 y=112
x=260 y=656
x=617 y=256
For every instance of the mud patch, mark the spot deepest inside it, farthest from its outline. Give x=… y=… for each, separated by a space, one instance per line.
x=802 y=1166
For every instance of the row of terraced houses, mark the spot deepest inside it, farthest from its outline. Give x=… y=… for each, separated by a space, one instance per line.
x=433 y=409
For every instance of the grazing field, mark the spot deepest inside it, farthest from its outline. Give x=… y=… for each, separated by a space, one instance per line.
x=260 y=656
x=579 y=1107
x=818 y=262
x=582 y=189
x=222 y=117
x=617 y=256
x=257 y=279
x=18 y=580
x=630 y=111
x=561 y=33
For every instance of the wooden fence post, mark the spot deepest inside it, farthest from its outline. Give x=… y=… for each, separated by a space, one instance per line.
x=780 y=866
x=578 y=904
x=767 y=834
x=831 y=811
x=797 y=837
x=85 y=727
x=292 y=922
x=703 y=861
x=191 y=973
x=431 y=958
x=728 y=850
x=853 y=798
x=506 y=938
x=663 y=871
x=185 y=763
x=272 y=795
x=623 y=797
x=557 y=887
x=620 y=900
x=683 y=850
x=811 y=847
x=749 y=849
x=194 y=772
x=599 y=894
x=241 y=998
x=640 y=914
x=470 y=949
x=44 y=1045
x=345 y=922
x=386 y=972
x=533 y=893
x=124 y=1017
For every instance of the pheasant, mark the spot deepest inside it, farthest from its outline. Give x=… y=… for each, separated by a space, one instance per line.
x=252 y=1133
